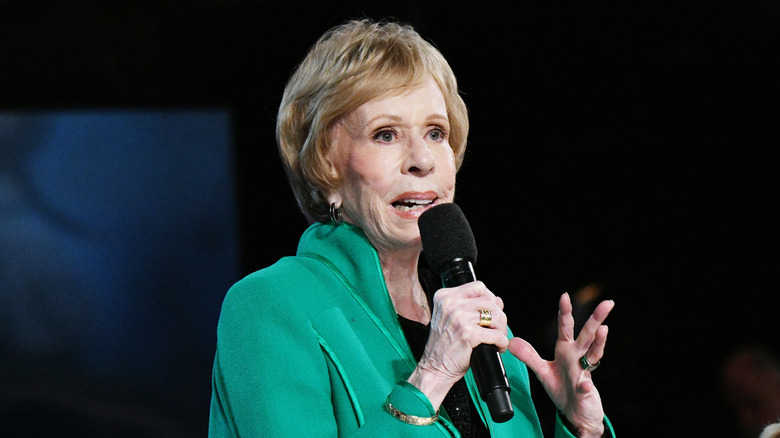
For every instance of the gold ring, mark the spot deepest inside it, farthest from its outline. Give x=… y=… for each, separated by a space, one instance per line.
x=485 y=317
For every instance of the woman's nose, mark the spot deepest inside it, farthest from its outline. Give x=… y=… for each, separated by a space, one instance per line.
x=419 y=160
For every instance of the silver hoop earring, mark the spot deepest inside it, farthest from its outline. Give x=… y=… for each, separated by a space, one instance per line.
x=335 y=214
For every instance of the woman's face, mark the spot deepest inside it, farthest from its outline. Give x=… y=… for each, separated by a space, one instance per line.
x=394 y=156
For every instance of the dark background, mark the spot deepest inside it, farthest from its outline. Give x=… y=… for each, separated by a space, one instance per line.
x=627 y=144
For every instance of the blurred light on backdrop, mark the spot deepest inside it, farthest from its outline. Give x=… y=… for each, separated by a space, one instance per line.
x=118 y=239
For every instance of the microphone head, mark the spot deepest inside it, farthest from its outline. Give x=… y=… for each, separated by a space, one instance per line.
x=446 y=235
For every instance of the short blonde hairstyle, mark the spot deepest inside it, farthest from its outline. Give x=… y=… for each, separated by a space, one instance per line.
x=349 y=65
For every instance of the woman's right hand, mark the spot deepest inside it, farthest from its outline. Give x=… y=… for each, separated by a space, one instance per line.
x=455 y=331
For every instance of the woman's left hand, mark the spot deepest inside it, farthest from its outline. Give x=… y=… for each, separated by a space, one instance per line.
x=569 y=385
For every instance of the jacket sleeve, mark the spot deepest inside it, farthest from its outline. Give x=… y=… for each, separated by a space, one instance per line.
x=561 y=431
x=257 y=384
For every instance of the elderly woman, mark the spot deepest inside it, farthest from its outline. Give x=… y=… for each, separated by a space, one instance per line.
x=343 y=339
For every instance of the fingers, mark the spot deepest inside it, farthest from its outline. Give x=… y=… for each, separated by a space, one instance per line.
x=499 y=302
x=462 y=308
x=597 y=348
x=591 y=340
x=589 y=331
x=596 y=351
x=488 y=316
x=527 y=354
x=472 y=296
x=565 y=319
x=474 y=289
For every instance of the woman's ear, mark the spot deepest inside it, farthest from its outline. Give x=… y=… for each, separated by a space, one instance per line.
x=333 y=160
x=331 y=168
x=332 y=156
x=334 y=198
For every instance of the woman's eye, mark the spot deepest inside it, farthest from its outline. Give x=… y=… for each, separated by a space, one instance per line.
x=436 y=135
x=384 y=136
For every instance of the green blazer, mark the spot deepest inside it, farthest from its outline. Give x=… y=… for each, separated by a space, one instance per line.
x=312 y=347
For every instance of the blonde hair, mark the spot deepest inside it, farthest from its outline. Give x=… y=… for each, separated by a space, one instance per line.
x=348 y=66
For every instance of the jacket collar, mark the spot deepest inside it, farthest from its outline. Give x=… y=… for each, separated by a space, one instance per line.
x=347 y=251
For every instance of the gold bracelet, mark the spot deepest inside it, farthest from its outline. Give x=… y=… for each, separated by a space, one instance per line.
x=411 y=419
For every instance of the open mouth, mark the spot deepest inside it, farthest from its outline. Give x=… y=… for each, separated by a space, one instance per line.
x=412 y=204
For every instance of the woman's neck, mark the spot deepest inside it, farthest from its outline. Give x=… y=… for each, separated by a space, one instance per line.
x=403 y=284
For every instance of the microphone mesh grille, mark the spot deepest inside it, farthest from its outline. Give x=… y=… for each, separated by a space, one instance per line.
x=446 y=235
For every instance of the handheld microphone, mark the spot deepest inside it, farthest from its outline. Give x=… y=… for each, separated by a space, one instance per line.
x=449 y=247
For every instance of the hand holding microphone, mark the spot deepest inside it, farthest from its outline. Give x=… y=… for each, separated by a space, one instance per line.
x=449 y=247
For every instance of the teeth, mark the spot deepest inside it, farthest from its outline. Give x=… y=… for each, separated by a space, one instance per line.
x=410 y=204
x=406 y=207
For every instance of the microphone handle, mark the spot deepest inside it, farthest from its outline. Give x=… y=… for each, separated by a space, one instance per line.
x=486 y=363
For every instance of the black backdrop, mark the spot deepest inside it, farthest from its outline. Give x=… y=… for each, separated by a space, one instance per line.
x=628 y=144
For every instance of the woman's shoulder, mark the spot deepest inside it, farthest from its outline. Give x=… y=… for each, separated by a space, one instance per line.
x=281 y=299
x=291 y=280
